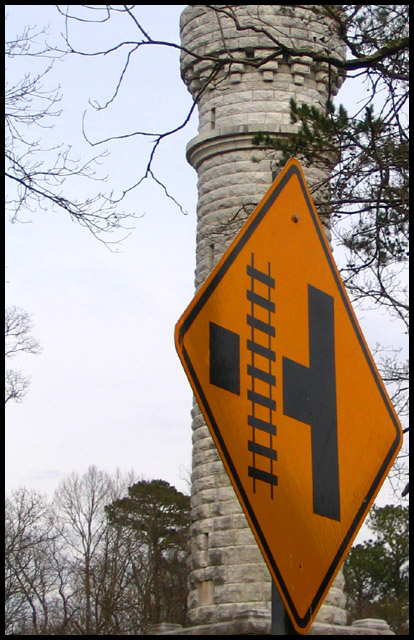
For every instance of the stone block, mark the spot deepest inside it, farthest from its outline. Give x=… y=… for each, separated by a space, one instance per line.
x=229 y=507
x=198 y=559
x=298 y=79
x=253 y=592
x=228 y=593
x=203 y=484
x=222 y=538
x=245 y=536
x=339 y=581
x=205 y=615
x=301 y=68
x=225 y=493
x=215 y=557
x=200 y=542
x=235 y=77
x=329 y=614
x=192 y=599
x=379 y=626
x=217 y=574
x=242 y=555
x=267 y=75
x=201 y=511
x=245 y=573
x=336 y=597
x=206 y=525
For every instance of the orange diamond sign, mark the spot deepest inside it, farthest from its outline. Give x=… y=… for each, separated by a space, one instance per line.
x=290 y=392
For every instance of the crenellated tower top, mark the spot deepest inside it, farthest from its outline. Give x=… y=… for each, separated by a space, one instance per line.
x=260 y=56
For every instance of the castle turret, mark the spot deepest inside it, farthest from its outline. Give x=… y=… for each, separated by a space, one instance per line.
x=238 y=97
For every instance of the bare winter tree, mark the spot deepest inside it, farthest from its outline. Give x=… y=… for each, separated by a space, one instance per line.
x=99 y=556
x=30 y=579
x=18 y=339
x=38 y=176
x=72 y=571
x=80 y=503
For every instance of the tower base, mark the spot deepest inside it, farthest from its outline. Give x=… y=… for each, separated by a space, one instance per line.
x=256 y=622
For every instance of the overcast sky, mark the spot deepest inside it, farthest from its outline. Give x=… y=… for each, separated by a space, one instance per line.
x=107 y=388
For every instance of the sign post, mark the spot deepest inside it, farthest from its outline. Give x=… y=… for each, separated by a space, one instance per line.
x=280 y=624
x=290 y=393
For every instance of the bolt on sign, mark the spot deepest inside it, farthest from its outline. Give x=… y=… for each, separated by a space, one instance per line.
x=290 y=393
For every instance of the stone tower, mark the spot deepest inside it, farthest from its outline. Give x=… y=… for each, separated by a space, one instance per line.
x=236 y=99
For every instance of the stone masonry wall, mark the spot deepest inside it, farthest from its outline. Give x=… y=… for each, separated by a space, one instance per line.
x=227 y=572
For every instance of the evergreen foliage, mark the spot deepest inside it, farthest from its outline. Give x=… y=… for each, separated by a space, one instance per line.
x=159 y=517
x=377 y=571
x=96 y=561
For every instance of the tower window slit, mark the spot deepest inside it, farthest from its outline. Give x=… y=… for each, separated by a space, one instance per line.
x=210 y=254
x=213 y=118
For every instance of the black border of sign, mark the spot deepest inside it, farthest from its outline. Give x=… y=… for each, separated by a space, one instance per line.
x=240 y=243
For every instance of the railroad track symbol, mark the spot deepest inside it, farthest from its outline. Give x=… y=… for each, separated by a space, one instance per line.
x=309 y=393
